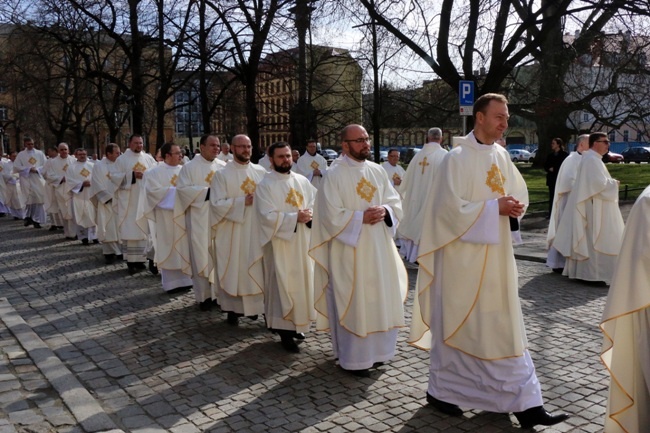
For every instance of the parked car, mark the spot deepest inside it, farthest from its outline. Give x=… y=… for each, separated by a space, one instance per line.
x=519 y=155
x=329 y=154
x=613 y=157
x=383 y=155
x=408 y=155
x=636 y=154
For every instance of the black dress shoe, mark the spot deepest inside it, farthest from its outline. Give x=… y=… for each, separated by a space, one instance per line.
x=233 y=318
x=288 y=342
x=37 y=225
x=132 y=268
x=359 y=373
x=109 y=259
x=52 y=229
x=28 y=222
x=119 y=257
x=152 y=267
x=95 y=241
x=298 y=335
x=443 y=406
x=538 y=416
x=377 y=364
x=558 y=270
x=205 y=305
x=84 y=241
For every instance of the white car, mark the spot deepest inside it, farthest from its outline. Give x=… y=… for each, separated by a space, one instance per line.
x=517 y=155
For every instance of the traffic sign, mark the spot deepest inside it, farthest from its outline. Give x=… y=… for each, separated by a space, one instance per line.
x=466 y=97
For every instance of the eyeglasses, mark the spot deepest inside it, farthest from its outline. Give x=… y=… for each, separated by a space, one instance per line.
x=359 y=140
x=175 y=153
x=602 y=141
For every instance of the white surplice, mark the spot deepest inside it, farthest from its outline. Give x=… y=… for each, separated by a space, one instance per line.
x=32 y=184
x=103 y=190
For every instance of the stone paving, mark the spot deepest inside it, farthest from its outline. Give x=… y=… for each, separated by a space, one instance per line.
x=155 y=363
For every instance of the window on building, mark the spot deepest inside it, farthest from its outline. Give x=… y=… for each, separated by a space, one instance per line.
x=626 y=135
x=585 y=117
x=639 y=136
x=612 y=135
x=3 y=87
x=4 y=113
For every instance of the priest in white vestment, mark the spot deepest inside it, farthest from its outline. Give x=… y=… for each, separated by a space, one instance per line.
x=231 y=197
x=360 y=281
x=415 y=189
x=312 y=165
x=129 y=170
x=14 y=198
x=51 y=206
x=626 y=327
x=29 y=165
x=467 y=309
x=77 y=183
x=192 y=211
x=103 y=191
x=172 y=254
x=394 y=170
x=55 y=177
x=566 y=177
x=280 y=265
x=265 y=163
x=225 y=155
x=591 y=228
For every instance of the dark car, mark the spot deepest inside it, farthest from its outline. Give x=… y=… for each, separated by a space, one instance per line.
x=613 y=157
x=636 y=154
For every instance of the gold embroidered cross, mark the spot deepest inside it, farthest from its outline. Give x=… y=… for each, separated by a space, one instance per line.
x=495 y=180
x=314 y=165
x=108 y=175
x=139 y=167
x=208 y=178
x=395 y=176
x=32 y=160
x=295 y=198
x=65 y=167
x=248 y=186
x=365 y=189
x=173 y=179
x=424 y=164
x=84 y=172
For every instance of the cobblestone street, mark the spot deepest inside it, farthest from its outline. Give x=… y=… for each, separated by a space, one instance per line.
x=123 y=355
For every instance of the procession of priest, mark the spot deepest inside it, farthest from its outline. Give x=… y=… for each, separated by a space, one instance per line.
x=303 y=245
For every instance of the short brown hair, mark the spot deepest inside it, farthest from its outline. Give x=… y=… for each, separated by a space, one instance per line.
x=480 y=106
x=595 y=136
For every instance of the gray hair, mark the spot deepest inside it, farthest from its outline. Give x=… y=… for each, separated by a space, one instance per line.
x=434 y=134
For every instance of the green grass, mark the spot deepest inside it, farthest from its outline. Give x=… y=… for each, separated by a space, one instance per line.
x=635 y=176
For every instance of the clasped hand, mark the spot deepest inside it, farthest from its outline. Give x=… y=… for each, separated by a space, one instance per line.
x=374 y=215
x=509 y=206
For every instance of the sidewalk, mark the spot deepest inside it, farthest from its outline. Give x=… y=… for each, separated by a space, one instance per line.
x=87 y=348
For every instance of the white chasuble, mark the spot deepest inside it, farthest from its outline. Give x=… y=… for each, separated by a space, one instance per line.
x=566 y=177
x=394 y=172
x=128 y=195
x=415 y=188
x=55 y=177
x=14 y=198
x=481 y=310
x=157 y=205
x=103 y=191
x=192 y=188
x=626 y=327
x=231 y=222
x=591 y=228
x=280 y=264
x=358 y=261
x=32 y=184
x=83 y=209
x=307 y=164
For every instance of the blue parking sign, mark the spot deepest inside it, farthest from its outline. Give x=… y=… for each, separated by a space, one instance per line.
x=466 y=92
